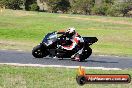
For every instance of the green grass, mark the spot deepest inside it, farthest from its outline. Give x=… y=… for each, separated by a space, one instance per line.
x=37 y=77
x=114 y=33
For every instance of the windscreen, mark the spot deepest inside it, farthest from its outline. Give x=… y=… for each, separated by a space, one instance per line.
x=50 y=38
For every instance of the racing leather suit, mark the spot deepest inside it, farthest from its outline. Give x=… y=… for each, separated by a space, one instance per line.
x=75 y=39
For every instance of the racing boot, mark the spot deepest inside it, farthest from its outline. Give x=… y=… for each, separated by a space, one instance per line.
x=75 y=57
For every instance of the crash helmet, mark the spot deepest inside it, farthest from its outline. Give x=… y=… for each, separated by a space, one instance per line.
x=70 y=32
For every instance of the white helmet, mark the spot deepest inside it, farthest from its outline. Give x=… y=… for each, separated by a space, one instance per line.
x=70 y=32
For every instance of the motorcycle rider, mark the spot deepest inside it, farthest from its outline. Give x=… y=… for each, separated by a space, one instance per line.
x=75 y=38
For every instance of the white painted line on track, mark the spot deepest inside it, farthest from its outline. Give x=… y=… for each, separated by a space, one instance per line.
x=19 y=50
x=4 y=49
x=13 y=50
x=107 y=55
x=58 y=66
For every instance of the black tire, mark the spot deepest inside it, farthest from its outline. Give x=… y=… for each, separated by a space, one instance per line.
x=86 y=54
x=81 y=80
x=37 y=52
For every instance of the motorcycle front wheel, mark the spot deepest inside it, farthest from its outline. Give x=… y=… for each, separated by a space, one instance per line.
x=38 y=52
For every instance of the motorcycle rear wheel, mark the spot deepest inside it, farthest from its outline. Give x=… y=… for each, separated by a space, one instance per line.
x=86 y=54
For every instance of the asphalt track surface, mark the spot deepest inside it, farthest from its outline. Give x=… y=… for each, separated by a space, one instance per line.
x=8 y=56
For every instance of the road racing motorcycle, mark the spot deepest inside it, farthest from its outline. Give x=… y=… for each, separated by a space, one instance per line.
x=52 y=42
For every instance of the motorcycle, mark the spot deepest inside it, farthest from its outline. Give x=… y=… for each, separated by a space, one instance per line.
x=52 y=42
